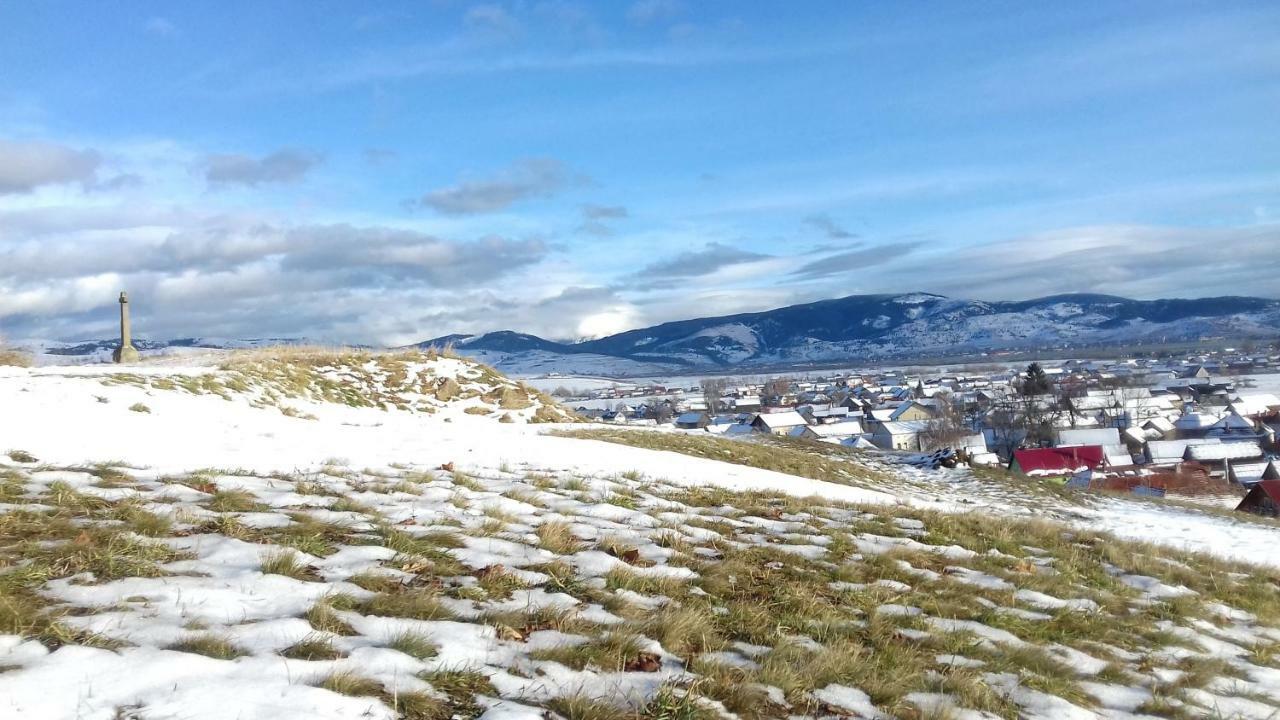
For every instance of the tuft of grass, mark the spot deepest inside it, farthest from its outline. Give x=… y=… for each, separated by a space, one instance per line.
x=612 y=652
x=313 y=647
x=557 y=537
x=280 y=561
x=419 y=706
x=142 y=521
x=685 y=630
x=209 y=646
x=345 y=682
x=461 y=685
x=234 y=501
x=414 y=645
x=323 y=616
x=374 y=581
x=140 y=408
x=461 y=479
x=416 y=603
x=22 y=456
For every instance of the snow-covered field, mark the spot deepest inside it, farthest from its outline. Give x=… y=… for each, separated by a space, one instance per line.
x=268 y=544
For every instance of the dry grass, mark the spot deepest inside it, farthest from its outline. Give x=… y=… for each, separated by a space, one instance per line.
x=313 y=647
x=416 y=604
x=287 y=563
x=414 y=645
x=209 y=646
x=557 y=537
x=13 y=357
x=830 y=464
x=323 y=616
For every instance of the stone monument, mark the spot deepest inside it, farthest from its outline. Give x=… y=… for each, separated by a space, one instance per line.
x=126 y=353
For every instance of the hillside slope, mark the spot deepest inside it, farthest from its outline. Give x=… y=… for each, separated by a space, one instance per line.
x=303 y=535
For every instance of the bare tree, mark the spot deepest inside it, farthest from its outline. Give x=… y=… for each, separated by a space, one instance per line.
x=712 y=392
x=949 y=427
x=662 y=410
x=776 y=387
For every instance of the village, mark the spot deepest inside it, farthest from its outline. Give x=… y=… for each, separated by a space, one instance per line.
x=1192 y=425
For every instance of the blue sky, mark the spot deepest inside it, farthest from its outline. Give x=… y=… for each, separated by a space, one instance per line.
x=395 y=171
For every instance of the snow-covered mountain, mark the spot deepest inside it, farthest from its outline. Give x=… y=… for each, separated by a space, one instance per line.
x=862 y=327
x=892 y=326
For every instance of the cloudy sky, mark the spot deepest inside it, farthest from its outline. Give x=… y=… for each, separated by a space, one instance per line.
x=389 y=172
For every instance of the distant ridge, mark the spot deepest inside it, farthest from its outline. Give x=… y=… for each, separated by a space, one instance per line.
x=855 y=328
x=890 y=326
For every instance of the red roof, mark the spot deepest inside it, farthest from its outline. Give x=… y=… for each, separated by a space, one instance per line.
x=1058 y=460
x=1268 y=488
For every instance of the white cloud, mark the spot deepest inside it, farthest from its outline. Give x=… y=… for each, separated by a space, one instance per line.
x=524 y=180
x=282 y=166
x=25 y=166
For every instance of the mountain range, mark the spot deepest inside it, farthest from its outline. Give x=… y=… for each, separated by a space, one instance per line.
x=878 y=327
x=857 y=329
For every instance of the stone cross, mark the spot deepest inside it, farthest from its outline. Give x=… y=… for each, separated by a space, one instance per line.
x=126 y=353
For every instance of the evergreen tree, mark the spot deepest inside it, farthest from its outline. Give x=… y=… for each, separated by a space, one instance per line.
x=1035 y=381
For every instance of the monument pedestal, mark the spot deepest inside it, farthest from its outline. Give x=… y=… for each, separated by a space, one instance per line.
x=126 y=353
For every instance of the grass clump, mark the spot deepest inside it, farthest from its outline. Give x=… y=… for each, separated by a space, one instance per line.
x=288 y=563
x=140 y=408
x=22 y=456
x=323 y=615
x=345 y=682
x=414 y=645
x=234 y=501
x=209 y=646
x=557 y=536
x=313 y=647
x=415 y=603
x=612 y=652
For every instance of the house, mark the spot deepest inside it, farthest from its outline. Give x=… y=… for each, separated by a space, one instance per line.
x=858 y=442
x=779 y=423
x=1099 y=436
x=825 y=432
x=1219 y=456
x=1256 y=405
x=1198 y=372
x=693 y=421
x=1232 y=424
x=972 y=445
x=1117 y=457
x=899 y=435
x=1263 y=499
x=1249 y=474
x=1170 y=452
x=1195 y=424
x=1057 y=461
x=1159 y=428
x=913 y=410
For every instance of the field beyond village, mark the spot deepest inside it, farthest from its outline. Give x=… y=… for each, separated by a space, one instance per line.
x=306 y=533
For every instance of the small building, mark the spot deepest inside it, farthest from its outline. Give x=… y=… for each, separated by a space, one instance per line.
x=1262 y=499
x=899 y=435
x=824 y=432
x=1095 y=436
x=693 y=421
x=911 y=411
x=1195 y=424
x=1057 y=462
x=1249 y=474
x=1168 y=453
x=779 y=423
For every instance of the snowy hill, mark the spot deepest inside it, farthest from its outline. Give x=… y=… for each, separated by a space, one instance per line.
x=299 y=535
